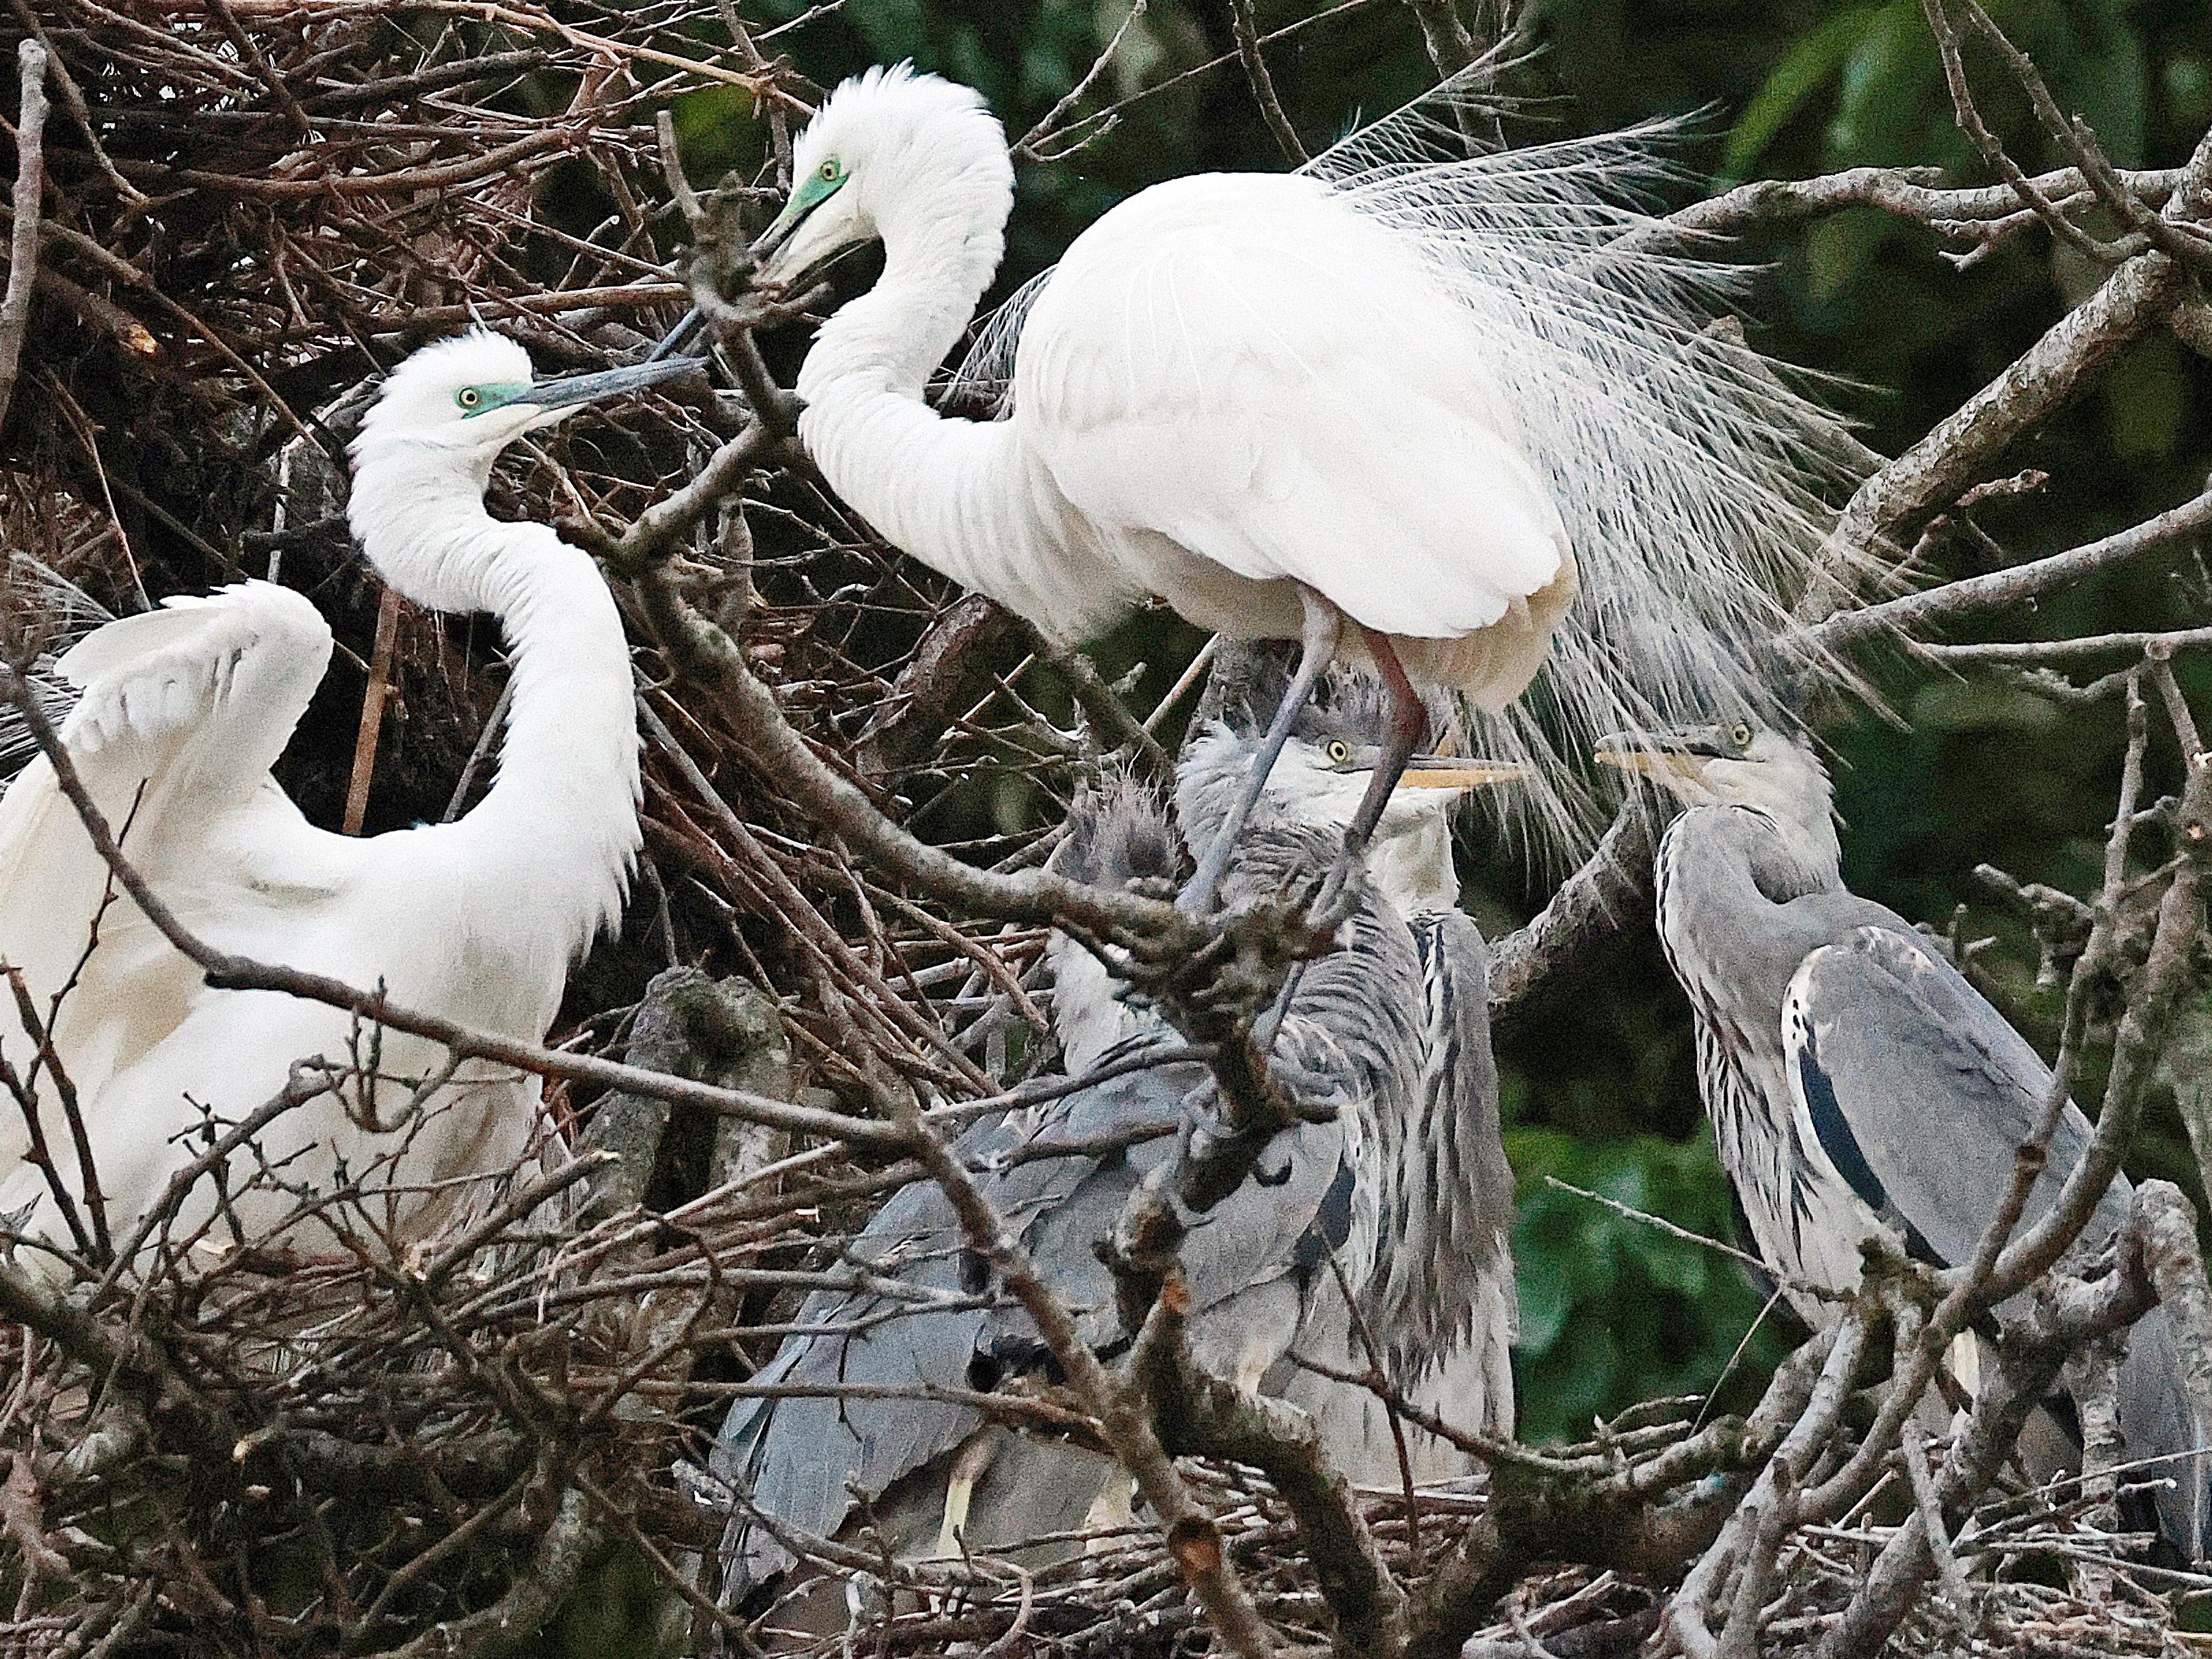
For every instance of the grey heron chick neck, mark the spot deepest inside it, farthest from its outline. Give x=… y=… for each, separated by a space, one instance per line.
x=1744 y=765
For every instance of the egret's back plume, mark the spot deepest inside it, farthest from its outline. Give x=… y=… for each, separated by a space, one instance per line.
x=1695 y=485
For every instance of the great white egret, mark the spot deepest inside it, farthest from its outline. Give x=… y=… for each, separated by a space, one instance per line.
x=1431 y=398
x=182 y=711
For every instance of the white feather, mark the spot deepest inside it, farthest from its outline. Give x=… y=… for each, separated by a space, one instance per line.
x=1693 y=483
x=181 y=711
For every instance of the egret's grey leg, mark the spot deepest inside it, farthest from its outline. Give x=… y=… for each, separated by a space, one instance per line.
x=1409 y=723
x=1318 y=645
x=679 y=337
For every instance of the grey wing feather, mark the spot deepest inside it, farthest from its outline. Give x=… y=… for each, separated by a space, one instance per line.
x=1932 y=1093
x=1921 y=1092
x=1066 y=1205
x=2156 y=1420
x=795 y=1458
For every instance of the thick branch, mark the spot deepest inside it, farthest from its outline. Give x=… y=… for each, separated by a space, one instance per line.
x=1610 y=893
x=1973 y=596
x=30 y=192
x=711 y=658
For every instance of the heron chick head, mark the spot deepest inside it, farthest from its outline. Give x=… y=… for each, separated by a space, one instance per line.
x=1740 y=763
x=888 y=144
x=1322 y=777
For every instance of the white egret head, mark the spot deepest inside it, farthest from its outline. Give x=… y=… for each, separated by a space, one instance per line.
x=438 y=425
x=890 y=147
x=468 y=398
x=1738 y=762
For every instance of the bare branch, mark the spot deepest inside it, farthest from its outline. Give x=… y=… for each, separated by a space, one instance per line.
x=29 y=193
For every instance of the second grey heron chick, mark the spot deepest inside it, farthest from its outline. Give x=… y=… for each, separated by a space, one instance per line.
x=1857 y=1083
x=1404 y=1181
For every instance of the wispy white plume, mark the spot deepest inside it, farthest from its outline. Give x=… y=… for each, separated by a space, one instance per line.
x=1695 y=483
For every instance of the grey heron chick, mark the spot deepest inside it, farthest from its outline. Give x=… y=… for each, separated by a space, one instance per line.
x=1404 y=1181
x=1857 y=1081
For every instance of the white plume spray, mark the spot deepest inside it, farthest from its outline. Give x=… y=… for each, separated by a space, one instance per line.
x=1695 y=484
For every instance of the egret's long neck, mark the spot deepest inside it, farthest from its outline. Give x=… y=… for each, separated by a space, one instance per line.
x=557 y=833
x=965 y=497
x=939 y=254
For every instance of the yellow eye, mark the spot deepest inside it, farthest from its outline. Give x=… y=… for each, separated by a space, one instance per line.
x=1741 y=736
x=468 y=396
x=1339 y=751
x=831 y=171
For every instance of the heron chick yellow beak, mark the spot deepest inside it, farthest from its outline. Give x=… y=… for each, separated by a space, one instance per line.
x=1660 y=755
x=1457 y=774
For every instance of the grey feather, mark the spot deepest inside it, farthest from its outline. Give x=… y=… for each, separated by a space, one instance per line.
x=1356 y=1040
x=1856 y=1082
x=793 y=1457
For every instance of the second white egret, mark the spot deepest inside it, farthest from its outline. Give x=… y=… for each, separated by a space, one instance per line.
x=1399 y=407
x=182 y=712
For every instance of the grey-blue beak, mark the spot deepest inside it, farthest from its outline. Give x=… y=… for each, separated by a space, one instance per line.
x=574 y=390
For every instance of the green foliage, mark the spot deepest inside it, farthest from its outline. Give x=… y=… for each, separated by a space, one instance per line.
x=1615 y=1309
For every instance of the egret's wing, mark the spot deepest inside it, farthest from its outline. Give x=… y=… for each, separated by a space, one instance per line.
x=1693 y=485
x=180 y=713
x=1244 y=366
x=1919 y=1091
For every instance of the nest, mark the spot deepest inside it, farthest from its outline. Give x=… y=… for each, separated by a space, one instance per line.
x=239 y=1443
x=245 y=1442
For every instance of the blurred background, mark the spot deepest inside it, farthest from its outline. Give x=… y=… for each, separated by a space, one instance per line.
x=1601 y=1090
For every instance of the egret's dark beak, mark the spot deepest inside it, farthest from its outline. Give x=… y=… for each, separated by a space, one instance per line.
x=779 y=228
x=763 y=245
x=1661 y=754
x=1457 y=772
x=570 y=392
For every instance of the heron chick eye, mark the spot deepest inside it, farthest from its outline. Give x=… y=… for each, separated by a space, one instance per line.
x=832 y=170
x=468 y=396
x=1338 y=752
x=1740 y=736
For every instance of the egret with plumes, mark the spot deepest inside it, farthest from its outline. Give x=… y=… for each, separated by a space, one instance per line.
x=180 y=713
x=1394 y=406
x=1404 y=1183
x=1857 y=1083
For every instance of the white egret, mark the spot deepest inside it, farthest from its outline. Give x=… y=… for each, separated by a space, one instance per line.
x=1430 y=399
x=182 y=712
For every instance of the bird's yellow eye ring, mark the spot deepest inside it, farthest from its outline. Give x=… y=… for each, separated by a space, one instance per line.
x=831 y=171
x=468 y=396
x=1740 y=737
x=1339 y=751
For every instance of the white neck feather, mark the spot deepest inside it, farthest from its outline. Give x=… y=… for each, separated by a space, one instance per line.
x=1412 y=867
x=963 y=496
x=558 y=829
